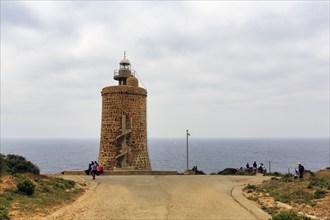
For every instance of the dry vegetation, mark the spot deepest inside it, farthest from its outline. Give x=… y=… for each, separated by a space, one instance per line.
x=309 y=196
x=26 y=195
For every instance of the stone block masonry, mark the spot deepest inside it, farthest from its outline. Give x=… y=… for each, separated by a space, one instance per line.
x=130 y=102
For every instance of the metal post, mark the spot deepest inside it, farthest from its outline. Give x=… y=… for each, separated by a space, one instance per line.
x=269 y=163
x=187 y=151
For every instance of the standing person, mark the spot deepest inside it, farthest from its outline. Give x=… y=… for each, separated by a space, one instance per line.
x=196 y=170
x=97 y=165
x=255 y=165
x=301 y=170
x=260 y=168
x=93 y=172
x=90 y=167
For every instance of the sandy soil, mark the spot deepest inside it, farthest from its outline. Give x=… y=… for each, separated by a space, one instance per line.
x=320 y=211
x=7 y=182
x=158 y=197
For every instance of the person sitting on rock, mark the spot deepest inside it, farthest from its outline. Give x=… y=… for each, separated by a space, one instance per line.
x=264 y=170
x=99 y=170
x=88 y=171
x=296 y=174
x=260 y=168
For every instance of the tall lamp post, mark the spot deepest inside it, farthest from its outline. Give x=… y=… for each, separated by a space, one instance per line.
x=187 y=150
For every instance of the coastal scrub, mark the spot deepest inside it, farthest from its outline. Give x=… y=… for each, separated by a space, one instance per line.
x=310 y=195
x=29 y=194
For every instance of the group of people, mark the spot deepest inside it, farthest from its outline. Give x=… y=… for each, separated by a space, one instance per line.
x=94 y=169
x=195 y=169
x=256 y=168
x=300 y=172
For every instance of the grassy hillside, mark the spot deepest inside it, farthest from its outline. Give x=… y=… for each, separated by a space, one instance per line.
x=308 y=196
x=24 y=193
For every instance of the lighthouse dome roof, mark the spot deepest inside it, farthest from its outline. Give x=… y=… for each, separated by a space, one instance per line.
x=125 y=61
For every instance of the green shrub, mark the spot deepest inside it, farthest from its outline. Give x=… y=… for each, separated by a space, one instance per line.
x=310 y=186
x=278 y=174
x=4 y=216
x=251 y=187
x=323 y=182
x=252 y=198
x=26 y=186
x=289 y=215
x=4 y=206
x=18 y=164
x=70 y=184
x=319 y=194
x=228 y=171
x=287 y=178
x=3 y=166
x=59 y=183
x=46 y=189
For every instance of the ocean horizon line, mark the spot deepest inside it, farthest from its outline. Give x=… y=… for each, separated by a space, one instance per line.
x=183 y=137
x=209 y=154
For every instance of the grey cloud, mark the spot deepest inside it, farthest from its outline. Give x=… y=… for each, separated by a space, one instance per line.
x=218 y=68
x=15 y=13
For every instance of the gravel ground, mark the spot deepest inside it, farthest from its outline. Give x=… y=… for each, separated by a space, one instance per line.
x=158 y=197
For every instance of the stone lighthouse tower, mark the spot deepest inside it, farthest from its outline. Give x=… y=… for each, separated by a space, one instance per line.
x=123 y=143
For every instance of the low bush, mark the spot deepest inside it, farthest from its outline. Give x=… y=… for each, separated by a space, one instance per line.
x=4 y=216
x=18 y=164
x=320 y=182
x=228 y=171
x=292 y=191
x=3 y=166
x=26 y=186
x=278 y=174
x=319 y=193
x=252 y=187
x=287 y=178
x=289 y=215
x=4 y=206
x=61 y=183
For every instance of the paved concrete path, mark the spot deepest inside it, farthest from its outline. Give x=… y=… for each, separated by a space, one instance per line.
x=160 y=197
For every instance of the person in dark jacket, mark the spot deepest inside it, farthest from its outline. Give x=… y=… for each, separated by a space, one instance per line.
x=301 y=170
x=88 y=171
x=94 y=168
x=254 y=165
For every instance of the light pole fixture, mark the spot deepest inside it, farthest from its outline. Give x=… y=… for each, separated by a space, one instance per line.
x=188 y=134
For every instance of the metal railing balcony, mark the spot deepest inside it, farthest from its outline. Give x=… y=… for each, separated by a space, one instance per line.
x=118 y=73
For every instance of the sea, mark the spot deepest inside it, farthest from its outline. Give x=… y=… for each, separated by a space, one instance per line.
x=208 y=154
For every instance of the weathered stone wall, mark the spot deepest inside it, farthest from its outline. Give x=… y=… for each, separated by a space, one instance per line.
x=130 y=101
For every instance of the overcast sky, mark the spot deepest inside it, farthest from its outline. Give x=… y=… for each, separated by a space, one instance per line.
x=220 y=69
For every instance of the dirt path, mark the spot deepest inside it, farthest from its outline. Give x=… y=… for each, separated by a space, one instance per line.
x=159 y=197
